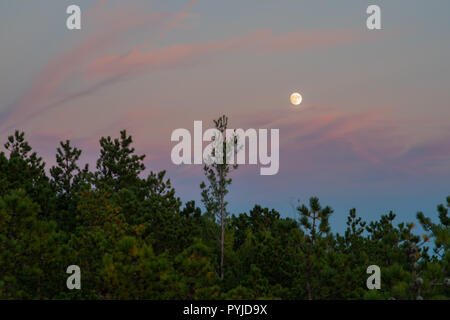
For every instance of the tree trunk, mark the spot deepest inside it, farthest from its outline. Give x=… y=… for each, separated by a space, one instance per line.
x=308 y=288
x=308 y=266
x=222 y=239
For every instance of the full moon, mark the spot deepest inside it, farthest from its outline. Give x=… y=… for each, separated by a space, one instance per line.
x=296 y=98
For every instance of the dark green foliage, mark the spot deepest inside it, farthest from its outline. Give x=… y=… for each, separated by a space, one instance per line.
x=67 y=181
x=213 y=193
x=118 y=167
x=25 y=170
x=134 y=239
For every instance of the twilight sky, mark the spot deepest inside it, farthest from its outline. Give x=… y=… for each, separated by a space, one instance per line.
x=373 y=132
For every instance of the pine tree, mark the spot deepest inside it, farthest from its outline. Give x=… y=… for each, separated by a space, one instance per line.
x=67 y=175
x=67 y=182
x=25 y=169
x=213 y=195
x=437 y=271
x=315 y=222
x=118 y=167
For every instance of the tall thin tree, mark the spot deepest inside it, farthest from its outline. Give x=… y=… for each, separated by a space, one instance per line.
x=217 y=173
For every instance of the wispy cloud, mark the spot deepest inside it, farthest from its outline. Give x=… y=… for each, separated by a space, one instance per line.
x=47 y=89
x=140 y=61
x=370 y=139
x=89 y=67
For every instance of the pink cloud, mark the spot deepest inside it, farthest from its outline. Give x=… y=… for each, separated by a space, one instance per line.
x=47 y=88
x=82 y=64
x=139 y=61
x=372 y=135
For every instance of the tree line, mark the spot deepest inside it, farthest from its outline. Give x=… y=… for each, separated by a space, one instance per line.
x=133 y=238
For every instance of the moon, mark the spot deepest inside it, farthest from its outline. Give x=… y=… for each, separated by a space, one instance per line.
x=296 y=98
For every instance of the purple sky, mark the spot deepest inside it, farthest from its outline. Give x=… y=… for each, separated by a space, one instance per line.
x=372 y=133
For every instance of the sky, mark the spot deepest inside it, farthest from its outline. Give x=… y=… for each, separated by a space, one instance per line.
x=372 y=131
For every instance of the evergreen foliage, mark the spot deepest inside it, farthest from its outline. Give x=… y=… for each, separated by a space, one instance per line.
x=134 y=239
